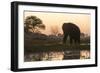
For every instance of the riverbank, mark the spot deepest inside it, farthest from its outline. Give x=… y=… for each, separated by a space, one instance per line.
x=56 y=47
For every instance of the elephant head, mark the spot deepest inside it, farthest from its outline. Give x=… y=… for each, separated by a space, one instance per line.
x=71 y=30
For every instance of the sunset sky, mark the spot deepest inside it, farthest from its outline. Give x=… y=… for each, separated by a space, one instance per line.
x=52 y=20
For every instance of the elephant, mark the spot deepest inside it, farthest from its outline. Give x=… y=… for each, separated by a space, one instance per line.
x=71 y=30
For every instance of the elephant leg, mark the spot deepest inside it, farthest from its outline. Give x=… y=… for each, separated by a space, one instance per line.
x=75 y=41
x=64 y=39
x=79 y=41
x=71 y=40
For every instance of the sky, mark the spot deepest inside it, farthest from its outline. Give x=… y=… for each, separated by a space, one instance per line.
x=56 y=20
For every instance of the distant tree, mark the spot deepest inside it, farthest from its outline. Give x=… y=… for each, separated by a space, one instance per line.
x=34 y=23
x=55 y=30
x=82 y=34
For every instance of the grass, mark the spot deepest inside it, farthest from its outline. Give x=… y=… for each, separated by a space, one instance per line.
x=56 y=47
x=52 y=45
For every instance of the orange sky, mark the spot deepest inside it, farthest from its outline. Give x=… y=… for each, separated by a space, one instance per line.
x=57 y=19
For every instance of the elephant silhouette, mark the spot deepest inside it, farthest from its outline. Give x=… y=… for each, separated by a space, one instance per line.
x=71 y=30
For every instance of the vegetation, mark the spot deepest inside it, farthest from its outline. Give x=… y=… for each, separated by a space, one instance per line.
x=40 y=42
x=33 y=23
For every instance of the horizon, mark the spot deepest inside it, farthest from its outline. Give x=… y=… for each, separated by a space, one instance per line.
x=55 y=20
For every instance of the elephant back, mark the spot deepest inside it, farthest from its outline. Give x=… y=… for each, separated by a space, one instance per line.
x=70 y=27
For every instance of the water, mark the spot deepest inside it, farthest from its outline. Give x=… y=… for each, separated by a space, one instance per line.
x=57 y=55
x=85 y=54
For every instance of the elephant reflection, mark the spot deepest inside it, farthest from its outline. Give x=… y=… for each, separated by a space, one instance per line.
x=71 y=30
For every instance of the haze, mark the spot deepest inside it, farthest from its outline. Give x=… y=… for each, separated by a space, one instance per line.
x=51 y=19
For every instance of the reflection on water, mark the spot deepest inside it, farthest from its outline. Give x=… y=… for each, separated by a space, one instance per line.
x=57 y=55
x=53 y=56
x=84 y=54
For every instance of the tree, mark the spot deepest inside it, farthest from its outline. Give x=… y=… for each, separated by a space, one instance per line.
x=82 y=34
x=34 y=23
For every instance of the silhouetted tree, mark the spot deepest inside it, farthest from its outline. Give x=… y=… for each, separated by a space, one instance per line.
x=34 y=23
x=82 y=34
